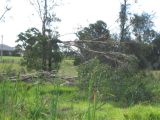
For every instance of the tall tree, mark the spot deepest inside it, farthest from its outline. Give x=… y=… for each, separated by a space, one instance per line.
x=45 y=10
x=54 y=55
x=143 y=27
x=123 y=16
x=31 y=42
x=94 y=33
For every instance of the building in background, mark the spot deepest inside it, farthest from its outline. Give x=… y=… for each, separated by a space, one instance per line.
x=6 y=50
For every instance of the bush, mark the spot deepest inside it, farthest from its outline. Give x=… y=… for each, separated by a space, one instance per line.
x=77 y=60
x=139 y=90
x=94 y=74
x=120 y=84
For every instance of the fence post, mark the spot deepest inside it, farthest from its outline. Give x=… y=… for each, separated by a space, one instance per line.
x=1 y=48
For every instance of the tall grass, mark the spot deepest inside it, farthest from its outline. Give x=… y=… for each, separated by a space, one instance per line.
x=45 y=101
x=91 y=112
x=50 y=101
x=54 y=104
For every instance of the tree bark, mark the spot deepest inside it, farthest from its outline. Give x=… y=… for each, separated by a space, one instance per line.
x=44 y=34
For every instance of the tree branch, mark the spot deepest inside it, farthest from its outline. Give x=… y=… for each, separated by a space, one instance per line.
x=7 y=9
x=109 y=55
x=39 y=10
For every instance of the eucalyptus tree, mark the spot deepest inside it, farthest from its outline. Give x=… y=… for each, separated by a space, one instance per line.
x=94 y=34
x=123 y=17
x=143 y=27
x=124 y=22
x=45 y=10
x=31 y=43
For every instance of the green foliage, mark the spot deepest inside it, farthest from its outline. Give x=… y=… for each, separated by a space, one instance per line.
x=143 y=27
x=32 y=43
x=77 y=60
x=47 y=101
x=144 y=51
x=41 y=100
x=154 y=56
x=94 y=32
x=119 y=84
x=123 y=16
x=138 y=89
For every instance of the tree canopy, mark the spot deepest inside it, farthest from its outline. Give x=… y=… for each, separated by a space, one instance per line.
x=31 y=42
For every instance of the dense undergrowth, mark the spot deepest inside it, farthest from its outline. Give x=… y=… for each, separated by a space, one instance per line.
x=41 y=100
x=46 y=101
x=126 y=85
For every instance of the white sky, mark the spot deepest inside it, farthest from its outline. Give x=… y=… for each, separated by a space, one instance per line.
x=73 y=13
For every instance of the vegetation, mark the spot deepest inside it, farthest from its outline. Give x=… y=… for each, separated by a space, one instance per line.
x=51 y=100
x=103 y=78
x=11 y=59
x=124 y=85
x=32 y=41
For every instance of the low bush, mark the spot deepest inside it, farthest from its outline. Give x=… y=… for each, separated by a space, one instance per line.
x=77 y=60
x=120 y=84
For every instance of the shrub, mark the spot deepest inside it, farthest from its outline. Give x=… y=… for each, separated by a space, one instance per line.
x=120 y=84
x=139 y=90
x=77 y=60
x=93 y=74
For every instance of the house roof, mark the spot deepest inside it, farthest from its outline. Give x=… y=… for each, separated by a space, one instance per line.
x=6 y=47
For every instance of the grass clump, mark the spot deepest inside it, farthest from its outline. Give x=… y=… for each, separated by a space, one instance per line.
x=141 y=112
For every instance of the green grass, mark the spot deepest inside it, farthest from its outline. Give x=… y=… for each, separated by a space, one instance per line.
x=11 y=69
x=31 y=105
x=29 y=101
x=67 y=68
x=11 y=64
x=49 y=101
x=10 y=59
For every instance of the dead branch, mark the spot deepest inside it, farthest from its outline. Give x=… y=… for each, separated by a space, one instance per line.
x=90 y=41
x=109 y=55
x=6 y=10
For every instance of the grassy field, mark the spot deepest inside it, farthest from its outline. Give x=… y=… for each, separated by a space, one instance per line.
x=10 y=64
x=45 y=101
x=67 y=68
x=49 y=101
x=10 y=59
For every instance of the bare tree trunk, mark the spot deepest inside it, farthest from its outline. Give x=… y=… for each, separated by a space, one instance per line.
x=44 y=64
x=123 y=18
x=49 y=55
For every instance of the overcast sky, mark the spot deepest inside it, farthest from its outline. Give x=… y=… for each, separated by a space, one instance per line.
x=73 y=13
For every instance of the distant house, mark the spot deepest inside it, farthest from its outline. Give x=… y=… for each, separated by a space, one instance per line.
x=6 y=50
